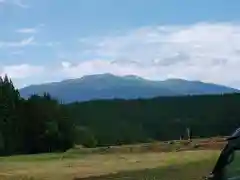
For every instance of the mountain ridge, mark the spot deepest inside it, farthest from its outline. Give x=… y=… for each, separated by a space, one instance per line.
x=109 y=86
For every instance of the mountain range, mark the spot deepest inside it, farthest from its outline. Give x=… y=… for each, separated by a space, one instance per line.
x=109 y=86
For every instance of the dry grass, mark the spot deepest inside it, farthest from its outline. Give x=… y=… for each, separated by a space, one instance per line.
x=214 y=143
x=97 y=165
x=188 y=171
x=170 y=161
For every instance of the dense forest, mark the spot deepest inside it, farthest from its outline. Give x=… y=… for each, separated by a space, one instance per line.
x=42 y=124
x=164 y=118
x=39 y=124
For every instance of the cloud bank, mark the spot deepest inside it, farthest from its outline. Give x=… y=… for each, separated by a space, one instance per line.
x=208 y=52
x=21 y=71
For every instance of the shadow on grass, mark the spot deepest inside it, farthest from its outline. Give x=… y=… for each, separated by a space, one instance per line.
x=190 y=171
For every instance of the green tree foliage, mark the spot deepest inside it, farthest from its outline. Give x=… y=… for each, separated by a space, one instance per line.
x=39 y=124
x=42 y=124
x=164 y=118
x=9 y=116
x=84 y=136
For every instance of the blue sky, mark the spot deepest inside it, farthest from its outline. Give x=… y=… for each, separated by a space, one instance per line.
x=51 y=40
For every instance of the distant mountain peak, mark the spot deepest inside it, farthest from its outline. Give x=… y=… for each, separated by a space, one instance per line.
x=90 y=77
x=133 y=77
x=109 y=86
x=175 y=79
x=94 y=76
x=111 y=76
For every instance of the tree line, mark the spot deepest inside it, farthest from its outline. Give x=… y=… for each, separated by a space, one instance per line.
x=163 y=118
x=38 y=124
x=42 y=124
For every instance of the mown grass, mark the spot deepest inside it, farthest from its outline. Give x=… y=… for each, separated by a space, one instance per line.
x=176 y=160
x=178 y=165
x=185 y=171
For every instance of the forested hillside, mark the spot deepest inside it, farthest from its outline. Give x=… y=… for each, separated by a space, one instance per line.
x=163 y=118
x=42 y=124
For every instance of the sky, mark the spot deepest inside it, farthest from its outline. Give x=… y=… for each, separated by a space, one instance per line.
x=52 y=40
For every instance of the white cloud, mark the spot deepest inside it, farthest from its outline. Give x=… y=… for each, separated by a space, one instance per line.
x=21 y=71
x=203 y=51
x=146 y=44
x=102 y=66
x=24 y=74
x=66 y=64
x=227 y=75
x=22 y=43
x=26 y=41
x=208 y=52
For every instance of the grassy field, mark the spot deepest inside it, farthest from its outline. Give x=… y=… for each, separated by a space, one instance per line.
x=173 y=161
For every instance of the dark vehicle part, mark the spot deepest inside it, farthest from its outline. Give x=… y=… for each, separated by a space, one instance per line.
x=226 y=157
